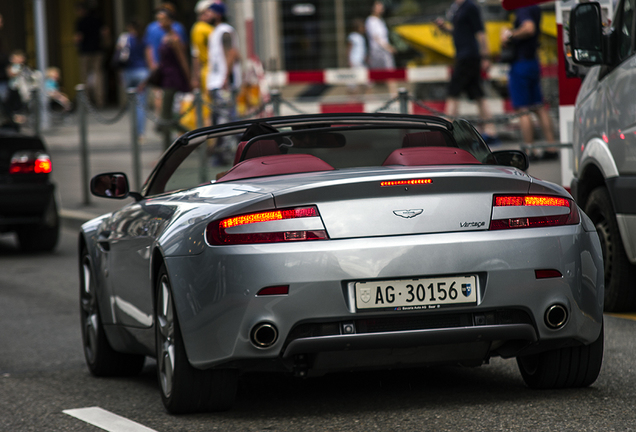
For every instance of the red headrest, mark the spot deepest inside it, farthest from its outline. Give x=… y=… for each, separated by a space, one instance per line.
x=420 y=156
x=275 y=165
x=257 y=149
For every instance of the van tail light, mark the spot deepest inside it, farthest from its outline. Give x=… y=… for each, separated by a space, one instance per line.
x=30 y=163
x=564 y=209
x=255 y=230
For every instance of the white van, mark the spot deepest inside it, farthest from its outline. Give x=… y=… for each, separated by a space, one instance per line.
x=604 y=140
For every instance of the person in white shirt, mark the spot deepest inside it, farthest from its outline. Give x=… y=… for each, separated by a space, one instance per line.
x=224 y=76
x=380 y=50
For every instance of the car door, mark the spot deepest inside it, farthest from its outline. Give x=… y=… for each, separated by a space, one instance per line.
x=133 y=231
x=618 y=92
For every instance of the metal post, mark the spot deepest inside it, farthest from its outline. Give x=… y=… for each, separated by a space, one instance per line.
x=275 y=98
x=83 y=128
x=37 y=118
x=403 y=95
x=39 y=18
x=198 y=109
x=132 y=101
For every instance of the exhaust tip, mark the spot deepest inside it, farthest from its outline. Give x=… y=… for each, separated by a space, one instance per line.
x=264 y=335
x=556 y=316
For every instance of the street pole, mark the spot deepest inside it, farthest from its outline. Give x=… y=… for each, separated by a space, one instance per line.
x=133 y=101
x=39 y=18
x=83 y=127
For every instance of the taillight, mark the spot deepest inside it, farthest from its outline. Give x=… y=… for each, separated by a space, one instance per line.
x=30 y=163
x=254 y=228
x=533 y=211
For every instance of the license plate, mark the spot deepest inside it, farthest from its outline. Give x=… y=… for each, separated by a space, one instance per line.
x=417 y=294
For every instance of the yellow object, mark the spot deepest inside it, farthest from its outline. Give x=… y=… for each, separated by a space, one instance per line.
x=189 y=112
x=437 y=46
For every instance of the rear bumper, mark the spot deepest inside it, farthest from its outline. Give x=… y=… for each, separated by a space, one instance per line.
x=22 y=204
x=215 y=294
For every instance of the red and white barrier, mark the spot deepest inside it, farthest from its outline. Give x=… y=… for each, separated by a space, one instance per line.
x=420 y=74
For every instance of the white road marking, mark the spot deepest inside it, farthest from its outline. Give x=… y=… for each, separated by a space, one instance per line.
x=106 y=420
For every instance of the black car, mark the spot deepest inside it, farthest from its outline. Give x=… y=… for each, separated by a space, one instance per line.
x=27 y=195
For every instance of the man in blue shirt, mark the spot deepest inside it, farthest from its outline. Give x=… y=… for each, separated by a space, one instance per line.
x=154 y=34
x=471 y=57
x=524 y=78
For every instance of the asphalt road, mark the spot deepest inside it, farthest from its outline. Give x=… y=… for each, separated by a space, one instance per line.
x=42 y=374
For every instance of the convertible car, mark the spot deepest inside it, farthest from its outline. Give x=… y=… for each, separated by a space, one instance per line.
x=336 y=243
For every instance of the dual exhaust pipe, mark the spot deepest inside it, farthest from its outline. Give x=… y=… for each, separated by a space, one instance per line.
x=556 y=316
x=264 y=335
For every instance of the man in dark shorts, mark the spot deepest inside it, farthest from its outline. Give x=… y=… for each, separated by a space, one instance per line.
x=471 y=57
x=524 y=79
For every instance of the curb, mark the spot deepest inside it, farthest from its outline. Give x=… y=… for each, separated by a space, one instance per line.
x=74 y=219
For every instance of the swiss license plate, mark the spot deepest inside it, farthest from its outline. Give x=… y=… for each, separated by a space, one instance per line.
x=417 y=294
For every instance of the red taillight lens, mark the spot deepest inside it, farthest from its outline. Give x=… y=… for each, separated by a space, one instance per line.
x=217 y=231
x=569 y=218
x=274 y=290
x=30 y=163
x=547 y=274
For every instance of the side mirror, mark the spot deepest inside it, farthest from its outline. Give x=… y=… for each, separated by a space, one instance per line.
x=110 y=185
x=512 y=158
x=586 y=34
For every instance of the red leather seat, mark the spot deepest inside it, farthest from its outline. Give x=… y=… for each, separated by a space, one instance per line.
x=423 y=156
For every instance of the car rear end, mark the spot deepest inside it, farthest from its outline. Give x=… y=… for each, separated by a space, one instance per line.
x=27 y=195
x=393 y=267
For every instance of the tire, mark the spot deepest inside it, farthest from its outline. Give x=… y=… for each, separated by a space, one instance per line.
x=102 y=360
x=42 y=237
x=620 y=292
x=571 y=367
x=185 y=389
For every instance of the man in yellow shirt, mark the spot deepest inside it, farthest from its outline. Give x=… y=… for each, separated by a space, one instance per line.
x=199 y=35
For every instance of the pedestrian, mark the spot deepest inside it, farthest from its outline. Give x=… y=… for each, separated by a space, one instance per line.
x=524 y=79
x=90 y=34
x=472 y=56
x=199 y=37
x=130 y=55
x=6 y=117
x=172 y=74
x=224 y=78
x=357 y=49
x=380 y=50
x=152 y=39
x=53 y=91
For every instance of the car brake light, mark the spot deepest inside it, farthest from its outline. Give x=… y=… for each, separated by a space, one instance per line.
x=547 y=274
x=217 y=231
x=30 y=163
x=569 y=218
x=412 y=182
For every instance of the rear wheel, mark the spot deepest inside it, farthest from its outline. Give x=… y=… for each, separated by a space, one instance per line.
x=101 y=358
x=571 y=367
x=184 y=388
x=620 y=293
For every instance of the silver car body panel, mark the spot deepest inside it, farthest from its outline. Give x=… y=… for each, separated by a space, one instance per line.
x=215 y=287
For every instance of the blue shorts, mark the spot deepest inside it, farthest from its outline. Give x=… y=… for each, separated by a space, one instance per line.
x=524 y=83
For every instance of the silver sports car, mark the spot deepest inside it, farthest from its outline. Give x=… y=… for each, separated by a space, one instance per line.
x=338 y=242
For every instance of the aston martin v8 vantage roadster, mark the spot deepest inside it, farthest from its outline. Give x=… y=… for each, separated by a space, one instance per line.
x=336 y=243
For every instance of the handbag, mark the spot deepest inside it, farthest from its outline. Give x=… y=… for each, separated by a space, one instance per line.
x=122 y=51
x=155 y=77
